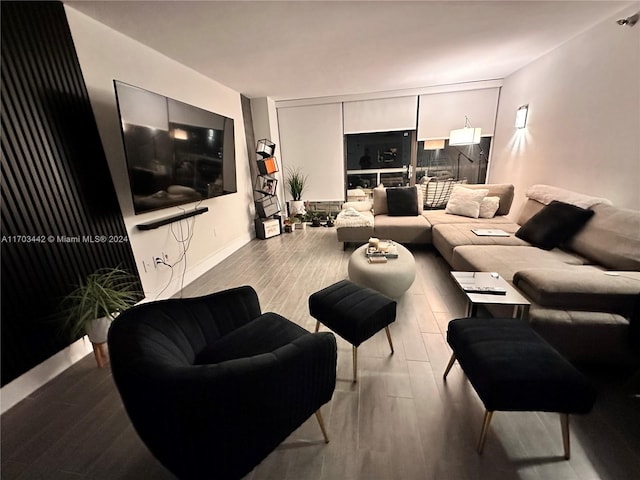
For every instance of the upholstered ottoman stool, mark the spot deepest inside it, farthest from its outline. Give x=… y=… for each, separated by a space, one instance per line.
x=512 y=368
x=392 y=279
x=353 y=312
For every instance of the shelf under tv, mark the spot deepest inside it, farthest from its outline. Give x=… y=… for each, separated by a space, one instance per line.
x=151 y=224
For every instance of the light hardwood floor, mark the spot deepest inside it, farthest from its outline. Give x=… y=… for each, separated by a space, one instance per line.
x=400 y=421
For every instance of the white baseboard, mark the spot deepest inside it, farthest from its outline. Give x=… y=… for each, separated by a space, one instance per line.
x=28 y=382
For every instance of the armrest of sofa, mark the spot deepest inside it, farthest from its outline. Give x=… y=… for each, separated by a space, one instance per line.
x=580 y=288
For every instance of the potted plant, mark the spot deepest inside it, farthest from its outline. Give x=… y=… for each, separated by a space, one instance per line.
x=91 y=307
x=315 y=219
x=296 y=181
x=330 y=220
x=288 y=226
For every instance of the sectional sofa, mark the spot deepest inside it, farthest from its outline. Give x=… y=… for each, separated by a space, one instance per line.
x=585 y=292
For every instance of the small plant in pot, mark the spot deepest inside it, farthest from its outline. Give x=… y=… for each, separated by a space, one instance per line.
x=330 y=220
x=315 y=219
x=94 y=303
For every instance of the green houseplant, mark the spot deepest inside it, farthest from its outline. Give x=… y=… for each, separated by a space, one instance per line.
x=296 y=182
x=94 y=302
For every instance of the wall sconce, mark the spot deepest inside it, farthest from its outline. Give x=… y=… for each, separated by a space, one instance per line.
x=465 y=136
x=434 y=144
x=521 y=116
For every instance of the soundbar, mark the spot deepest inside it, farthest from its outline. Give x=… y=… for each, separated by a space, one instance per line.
x=150 y=225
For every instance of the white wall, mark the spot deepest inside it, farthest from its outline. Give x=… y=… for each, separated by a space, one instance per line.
x=105 y=55
x=583 y=129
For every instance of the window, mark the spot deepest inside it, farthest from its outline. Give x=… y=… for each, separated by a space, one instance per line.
x=459 y=162
x=382 y=157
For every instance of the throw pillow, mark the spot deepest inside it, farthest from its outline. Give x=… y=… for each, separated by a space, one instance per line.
x=489 y=207
x=465 y=201
x=553 y=225
x=380 y=200
x=402 y=201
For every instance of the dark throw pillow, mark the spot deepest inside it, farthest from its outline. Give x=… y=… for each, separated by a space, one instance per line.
x=554 y=224
x=402 y=201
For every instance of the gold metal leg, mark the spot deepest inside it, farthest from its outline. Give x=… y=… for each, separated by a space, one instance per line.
x=485 y=426
x=317 y=326
x=449 y=365
x=355 y=363
x=564 y=421
x=386 y=329
x=321 y=423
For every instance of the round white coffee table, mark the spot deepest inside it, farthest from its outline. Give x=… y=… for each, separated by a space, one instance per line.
x=391 y=279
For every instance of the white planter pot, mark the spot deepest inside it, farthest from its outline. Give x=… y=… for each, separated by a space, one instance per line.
x=98 y=329
x=296 y=207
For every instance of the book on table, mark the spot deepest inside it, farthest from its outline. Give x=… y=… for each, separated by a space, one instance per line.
x=386 y=249
x=490 y=232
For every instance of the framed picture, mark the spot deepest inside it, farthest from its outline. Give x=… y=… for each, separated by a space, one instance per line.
x=266 y=184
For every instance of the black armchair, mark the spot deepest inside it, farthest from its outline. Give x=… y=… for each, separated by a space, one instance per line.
x=212 y=386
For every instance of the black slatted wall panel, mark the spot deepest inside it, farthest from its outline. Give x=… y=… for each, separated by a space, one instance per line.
x=55 y=186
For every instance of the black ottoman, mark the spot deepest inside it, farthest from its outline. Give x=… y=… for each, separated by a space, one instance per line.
x=512 y=368
x=353 y=312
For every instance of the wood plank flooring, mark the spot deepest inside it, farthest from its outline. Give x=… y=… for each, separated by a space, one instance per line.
x=400 y=421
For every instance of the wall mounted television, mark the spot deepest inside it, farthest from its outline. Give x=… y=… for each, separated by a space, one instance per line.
x=176 y=153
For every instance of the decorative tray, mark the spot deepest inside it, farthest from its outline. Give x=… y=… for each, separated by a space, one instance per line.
x=384 y=248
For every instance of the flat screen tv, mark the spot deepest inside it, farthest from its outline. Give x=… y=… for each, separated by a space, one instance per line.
x=176 y=153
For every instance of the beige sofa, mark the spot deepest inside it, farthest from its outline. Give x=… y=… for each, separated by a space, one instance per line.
x=583 y=293
x=373 y=220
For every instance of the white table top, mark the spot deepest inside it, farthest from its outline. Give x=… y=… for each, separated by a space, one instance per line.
x=488 y=279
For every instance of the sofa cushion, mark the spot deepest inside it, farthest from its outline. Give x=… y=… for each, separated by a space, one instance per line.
x=508 y=259
x=446 y=237
x=585 y=337
x=402 y=201
x=554 y=224
x=528 y=210
x=466 y=201
x=489 y=207
x=611 y=238
x=438 y=217
x=504 y=191
x=403 y=229
x=545 y=194
x=354 y=228
x=580 y=288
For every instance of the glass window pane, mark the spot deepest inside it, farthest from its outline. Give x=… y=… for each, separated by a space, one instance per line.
x=362 y=180
x=458 y=162
x=381 y=157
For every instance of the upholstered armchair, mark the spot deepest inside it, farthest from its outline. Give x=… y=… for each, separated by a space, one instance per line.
x=212 y=386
